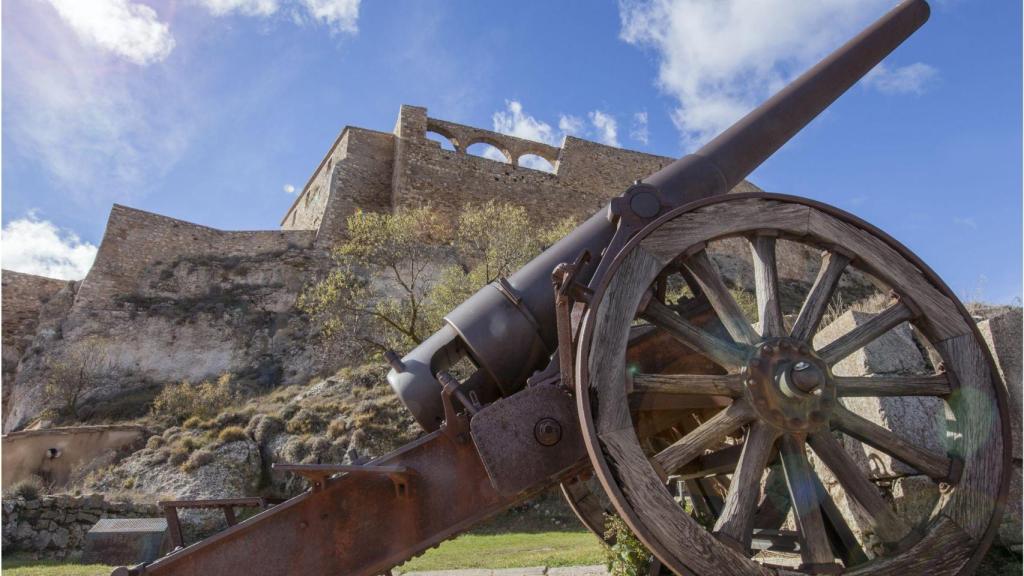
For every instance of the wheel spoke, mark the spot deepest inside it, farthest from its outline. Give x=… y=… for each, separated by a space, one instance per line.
x=689 y=447
x=661 y=401
x=832 y=266
x=736 y=524
x=814 y=545
x=866 y=333
x=880 y=386
x=706 y=273
x=725 y=354
x=715 y=385
x=766 y=285
x=886 y=524
x=935 y=465
x=774 y=505
x=722 y=461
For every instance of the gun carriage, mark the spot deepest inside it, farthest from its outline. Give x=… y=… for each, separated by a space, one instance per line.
x=588 y=376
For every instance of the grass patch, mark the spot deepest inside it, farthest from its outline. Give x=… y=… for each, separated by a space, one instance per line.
x=27 y=567
x=511 y=551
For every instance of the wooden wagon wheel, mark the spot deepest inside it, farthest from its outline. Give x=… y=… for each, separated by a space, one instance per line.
x=782 y=398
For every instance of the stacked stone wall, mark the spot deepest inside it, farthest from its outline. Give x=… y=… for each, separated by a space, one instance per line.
x=54 y=527
x=24 y=295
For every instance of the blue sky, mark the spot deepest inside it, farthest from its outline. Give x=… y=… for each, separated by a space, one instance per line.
x=207 y=110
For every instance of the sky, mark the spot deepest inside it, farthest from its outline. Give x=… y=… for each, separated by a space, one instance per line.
x=217 y=111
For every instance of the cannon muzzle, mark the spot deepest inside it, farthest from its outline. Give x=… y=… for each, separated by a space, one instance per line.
x=508 y=328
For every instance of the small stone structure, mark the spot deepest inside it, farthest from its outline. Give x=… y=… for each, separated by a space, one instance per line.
x=126 y=541
x=55 y=526
x=53 y=454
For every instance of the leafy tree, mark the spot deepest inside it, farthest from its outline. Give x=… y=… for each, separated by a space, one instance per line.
x=397 y=275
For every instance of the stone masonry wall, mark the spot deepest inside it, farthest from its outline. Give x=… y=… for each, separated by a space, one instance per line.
x=54 y=527
x=586 y=176
x=355 y=174
x=24 y=295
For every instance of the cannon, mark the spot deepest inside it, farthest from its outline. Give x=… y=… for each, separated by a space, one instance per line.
x=711 y=433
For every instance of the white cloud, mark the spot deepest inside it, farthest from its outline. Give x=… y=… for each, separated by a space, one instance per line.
x=719 y=59
x=569 y=124
x=340 y=15
x=132 y=31
x=101 y=130
x=289 y=189
x=638 y=131
x=909 y=79
x=39 y=247
x=514 y=122
x=606 y=126
x=246 y=7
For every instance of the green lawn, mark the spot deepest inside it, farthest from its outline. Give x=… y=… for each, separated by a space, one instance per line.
x=19 y=567
x=468 y=551
x=511 y=551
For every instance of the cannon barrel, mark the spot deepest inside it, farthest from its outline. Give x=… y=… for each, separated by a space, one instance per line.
x=508 y=328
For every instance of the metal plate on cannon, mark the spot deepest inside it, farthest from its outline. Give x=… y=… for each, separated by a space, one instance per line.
x=126 y=541
x=528 y=437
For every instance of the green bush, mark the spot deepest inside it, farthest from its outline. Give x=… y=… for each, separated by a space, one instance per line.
x=184 y=401
x=232 y=434
x=626 y=556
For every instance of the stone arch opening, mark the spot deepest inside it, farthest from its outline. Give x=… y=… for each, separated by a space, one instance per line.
x=536 y=162
x=490 y=149
x=446 y=142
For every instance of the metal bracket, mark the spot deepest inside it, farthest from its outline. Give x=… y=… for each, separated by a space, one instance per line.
x=317 y=474
x=455 y=425
x=568 y=290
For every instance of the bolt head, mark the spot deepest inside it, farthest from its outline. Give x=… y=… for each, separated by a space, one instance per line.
x=547 y=431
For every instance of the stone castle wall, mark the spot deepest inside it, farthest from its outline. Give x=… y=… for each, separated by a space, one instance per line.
x=169 y=300
x=24 y=296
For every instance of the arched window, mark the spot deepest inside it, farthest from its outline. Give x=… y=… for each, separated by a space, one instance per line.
x=536 y=162
x=441 y=139
x=485 y=150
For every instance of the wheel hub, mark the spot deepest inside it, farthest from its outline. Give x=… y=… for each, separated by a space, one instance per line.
x=789 y=386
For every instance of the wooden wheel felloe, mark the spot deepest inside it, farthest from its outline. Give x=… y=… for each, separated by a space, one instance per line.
x=766 y=410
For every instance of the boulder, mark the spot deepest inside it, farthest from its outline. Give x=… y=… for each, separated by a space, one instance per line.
x=919 y=420
x=1002 y=333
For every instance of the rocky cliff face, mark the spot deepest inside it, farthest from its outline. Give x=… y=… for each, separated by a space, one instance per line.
x=168 y=301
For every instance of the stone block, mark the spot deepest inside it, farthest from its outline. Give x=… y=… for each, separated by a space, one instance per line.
x=1010 y=530
x=920 y=420
x=126 y=541
x=596 y=570
x=1002 y=333
x=915 y=498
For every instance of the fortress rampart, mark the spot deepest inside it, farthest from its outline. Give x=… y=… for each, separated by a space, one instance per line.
x=170 y=300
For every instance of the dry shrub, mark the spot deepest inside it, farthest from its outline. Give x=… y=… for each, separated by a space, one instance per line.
x=30 y=488
x=263 y=428
x=198 y=459
x=304 y=422
x=232 y=434
x=155 y=442
x=183 y=401
x=337 y=428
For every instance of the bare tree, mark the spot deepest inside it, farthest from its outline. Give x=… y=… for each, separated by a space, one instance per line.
x=72 y=376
